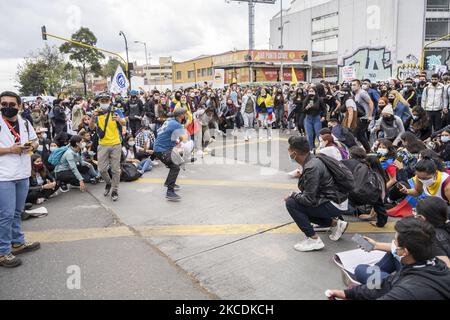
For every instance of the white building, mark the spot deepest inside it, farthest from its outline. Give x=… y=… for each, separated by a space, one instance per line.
x=381 y=39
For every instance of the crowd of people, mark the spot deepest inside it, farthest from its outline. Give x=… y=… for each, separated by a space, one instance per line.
x=371 y=150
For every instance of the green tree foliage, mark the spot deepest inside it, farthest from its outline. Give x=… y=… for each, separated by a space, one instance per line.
x=86 y=60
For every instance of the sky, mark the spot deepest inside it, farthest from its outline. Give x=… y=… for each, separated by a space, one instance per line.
x=183 y=29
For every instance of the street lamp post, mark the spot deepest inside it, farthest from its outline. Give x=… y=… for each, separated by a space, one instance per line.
x=128 y=58
x=281 y=28
x=146 y=53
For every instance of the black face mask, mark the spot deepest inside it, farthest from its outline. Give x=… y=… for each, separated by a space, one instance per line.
x=9 y=112
x=178 y=98
x=391 y=101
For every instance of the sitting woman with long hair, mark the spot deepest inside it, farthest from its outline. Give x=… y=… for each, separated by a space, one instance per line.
x=42 y=183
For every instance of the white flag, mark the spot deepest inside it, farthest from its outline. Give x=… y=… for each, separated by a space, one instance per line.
x=119 y=83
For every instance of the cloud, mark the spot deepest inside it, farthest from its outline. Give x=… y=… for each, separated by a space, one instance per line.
x=183 y=29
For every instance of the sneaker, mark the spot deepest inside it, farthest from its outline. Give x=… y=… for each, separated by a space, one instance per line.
x=141 y=172
x=40 y=201
x=339 y=230
x=172 y=196
x=115 y=196
x=64 y=188
x=155 y=163
x=28 y=206
x=10 y=261
x=107 y=190
x=25 y=248
x=310 y=245
x=349 y=279
x=176 y=187
x=25 y=216
x=93 y=181
x=319 y=228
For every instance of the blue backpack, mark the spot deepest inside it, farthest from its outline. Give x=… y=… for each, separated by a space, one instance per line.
x=55 y=156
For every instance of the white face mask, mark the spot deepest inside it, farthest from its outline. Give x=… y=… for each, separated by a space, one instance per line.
x=53 y=148
x=428 y=183
x=382 y=152
x=44 y=136
x=394 y=252
x=132 y=144
x=40 y=148
x=445 y=139
x=105 y=106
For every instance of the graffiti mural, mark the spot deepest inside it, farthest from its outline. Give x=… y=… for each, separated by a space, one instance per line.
x=409 y=69
x=433 y=61
x=370 y=63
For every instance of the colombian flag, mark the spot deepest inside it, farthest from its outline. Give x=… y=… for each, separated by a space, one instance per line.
x=405 y=208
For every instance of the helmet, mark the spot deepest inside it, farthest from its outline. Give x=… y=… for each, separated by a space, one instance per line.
x=134 y=93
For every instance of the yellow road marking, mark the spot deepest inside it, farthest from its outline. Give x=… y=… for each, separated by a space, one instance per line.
x=224 y=183
x=56 y=236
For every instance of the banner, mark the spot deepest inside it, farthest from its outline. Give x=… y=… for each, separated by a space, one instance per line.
x=348 y=73
x=219 y=79
x=120 y=83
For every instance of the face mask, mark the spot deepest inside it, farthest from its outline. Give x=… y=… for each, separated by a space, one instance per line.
x=53 y=149
x=83 y=145
x=9 y=112
x=415 y=118
x=40 y=148
x=394 y=252
x=382 y=152
x=428 y=183
x=105 y=106
x=132 y=144
x=44 y=136
x=391 y=101
x=445 y=139
x=39 y=166
x=292 y=159
x=192 y=95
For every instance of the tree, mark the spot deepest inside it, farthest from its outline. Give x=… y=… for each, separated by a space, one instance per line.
x=110 y=68
x=45 y=71
x=86 y=59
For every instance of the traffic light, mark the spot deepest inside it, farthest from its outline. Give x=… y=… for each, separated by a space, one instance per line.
x=44 y=33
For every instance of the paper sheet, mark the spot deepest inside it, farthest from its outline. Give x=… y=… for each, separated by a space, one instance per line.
x=351 y=259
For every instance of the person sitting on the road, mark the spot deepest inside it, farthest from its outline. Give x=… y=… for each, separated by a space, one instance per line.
x=328 y=146
x=319 y=200
x=129 y=154
x=42 y=183
x=421 y=277
x=68 y=170
x=389 y=126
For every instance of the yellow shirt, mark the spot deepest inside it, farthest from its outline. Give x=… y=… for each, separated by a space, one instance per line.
x=112 y=136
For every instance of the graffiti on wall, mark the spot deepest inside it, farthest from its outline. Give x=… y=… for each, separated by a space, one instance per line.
x=409 y=69
x=370 y=63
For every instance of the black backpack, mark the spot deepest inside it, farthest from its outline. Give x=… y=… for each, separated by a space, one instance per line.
x=368 y=186
x=129 y=172
x=342 y=176
x=349 y=138
x=361 y=110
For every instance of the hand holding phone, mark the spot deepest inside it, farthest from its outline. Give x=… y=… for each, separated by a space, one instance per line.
x=363 y=243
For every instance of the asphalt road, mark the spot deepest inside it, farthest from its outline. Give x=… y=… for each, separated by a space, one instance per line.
x=230 y=237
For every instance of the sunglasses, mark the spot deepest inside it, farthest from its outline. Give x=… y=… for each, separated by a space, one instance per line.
x=11 y=104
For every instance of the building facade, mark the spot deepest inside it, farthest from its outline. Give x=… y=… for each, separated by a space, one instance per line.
x=156 y=76
x=244 y=67
x=380 y=39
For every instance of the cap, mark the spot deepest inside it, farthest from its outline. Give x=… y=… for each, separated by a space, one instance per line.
x=388 y=110
x=179 y=112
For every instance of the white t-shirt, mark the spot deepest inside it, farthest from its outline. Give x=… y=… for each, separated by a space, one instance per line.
x=12 y=166
x=350 y=103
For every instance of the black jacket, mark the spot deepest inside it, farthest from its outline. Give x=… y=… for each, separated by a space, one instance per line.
x=430 y=281
x=316 y=184
x=133 y=109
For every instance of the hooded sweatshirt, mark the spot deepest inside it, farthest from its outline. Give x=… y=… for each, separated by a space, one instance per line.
x=420 y=281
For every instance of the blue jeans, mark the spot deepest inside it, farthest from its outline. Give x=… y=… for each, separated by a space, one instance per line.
x=322 y=215
x=145 y=165
x=312 y=127
x=13 y=195
x=387 y=265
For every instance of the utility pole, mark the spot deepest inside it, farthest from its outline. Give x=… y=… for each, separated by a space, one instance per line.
x=126 y=49
x=251 y=27
x=145 y=47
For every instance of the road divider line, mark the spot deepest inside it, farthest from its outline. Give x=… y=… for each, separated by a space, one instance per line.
x=57 y=236
x=224 y=183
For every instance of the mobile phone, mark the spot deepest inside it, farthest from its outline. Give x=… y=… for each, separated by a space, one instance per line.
x=363 y=243
x=28 y=144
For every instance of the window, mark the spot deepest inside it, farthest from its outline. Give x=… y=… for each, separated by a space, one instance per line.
x=437 y=28
x=199 y=72
x=325 y=46
x=438 y=5
x=325 y=23
x=191 y=74
x=210 y=71
x=178 y=75
x=204 y=72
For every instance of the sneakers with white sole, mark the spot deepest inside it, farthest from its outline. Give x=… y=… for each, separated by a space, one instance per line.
x=310 y=245
x=338 y=230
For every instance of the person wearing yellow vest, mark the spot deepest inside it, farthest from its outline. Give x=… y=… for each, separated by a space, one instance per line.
x=108 y=124
x=264 y=109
